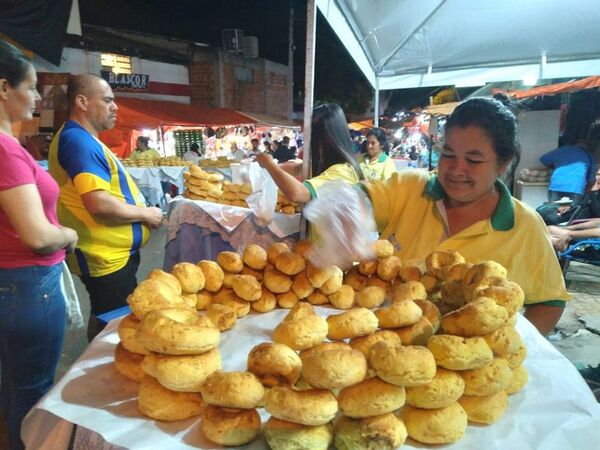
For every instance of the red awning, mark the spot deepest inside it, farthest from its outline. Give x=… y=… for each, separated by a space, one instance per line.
x=558 y=88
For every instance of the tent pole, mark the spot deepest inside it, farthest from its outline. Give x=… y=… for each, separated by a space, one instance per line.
x=376 y=103
x=162 y=139
x=309 y=90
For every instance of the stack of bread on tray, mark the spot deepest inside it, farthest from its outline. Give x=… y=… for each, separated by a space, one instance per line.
x=413 y=351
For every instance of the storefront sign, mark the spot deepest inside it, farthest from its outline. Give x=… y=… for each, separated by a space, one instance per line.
x=126 y=80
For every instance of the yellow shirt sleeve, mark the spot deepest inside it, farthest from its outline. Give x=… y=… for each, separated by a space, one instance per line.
x=343 y=172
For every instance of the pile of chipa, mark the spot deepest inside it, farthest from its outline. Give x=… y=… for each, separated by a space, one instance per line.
x=285 y=205
x=201 y=185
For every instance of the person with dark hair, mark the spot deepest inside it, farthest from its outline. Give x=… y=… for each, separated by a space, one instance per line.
x=32 y=249
x=142 y=150
x=282 y=152
x=193 y=154
x=467 y=208
x=332 y=158
x=99 y=199
x=573 y=172
x=375 y=162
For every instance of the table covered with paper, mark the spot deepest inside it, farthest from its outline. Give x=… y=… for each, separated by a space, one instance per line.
x=555 y=411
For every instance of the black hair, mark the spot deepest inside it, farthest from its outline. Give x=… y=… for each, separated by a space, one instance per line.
x=495 y=119
x=13 y=64
x=194 y=147
x=80 y=85
x=144 y=140
x=330 y=140
x=253 y=140
x=379 y=134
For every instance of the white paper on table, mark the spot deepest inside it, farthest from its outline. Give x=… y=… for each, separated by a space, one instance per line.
x=284 y=224
x=555 y=411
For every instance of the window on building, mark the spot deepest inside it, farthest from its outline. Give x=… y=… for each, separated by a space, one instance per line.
x=116 y=63
x=243 y=74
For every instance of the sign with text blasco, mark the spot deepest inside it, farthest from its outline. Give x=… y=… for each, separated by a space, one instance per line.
x=126 y=81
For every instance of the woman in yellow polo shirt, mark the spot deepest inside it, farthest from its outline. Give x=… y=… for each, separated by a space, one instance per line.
x=375 y=163
x=466 y=208
x=333 y=156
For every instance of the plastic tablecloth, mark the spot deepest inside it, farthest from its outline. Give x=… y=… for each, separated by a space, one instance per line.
x=149 y=180
x=555 y=411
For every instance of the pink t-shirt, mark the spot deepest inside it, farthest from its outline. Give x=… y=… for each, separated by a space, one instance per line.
x=17 y=167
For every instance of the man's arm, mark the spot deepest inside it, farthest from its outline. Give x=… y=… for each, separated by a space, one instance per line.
x=108 y=208
x=544 y=317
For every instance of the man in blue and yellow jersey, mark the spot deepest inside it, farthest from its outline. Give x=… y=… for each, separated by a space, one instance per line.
x=98 y=199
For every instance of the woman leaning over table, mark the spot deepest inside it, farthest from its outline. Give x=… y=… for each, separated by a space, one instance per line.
x=465 y=207
x=375 y=162
x=32 y=248
x=333 y=156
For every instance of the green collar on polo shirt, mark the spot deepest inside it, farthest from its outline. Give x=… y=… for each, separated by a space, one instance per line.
x=503 y=218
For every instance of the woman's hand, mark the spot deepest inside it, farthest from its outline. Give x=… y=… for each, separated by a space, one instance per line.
x=71 y=237
x=264 y=160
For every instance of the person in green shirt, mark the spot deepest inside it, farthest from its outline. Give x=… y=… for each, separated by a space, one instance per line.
x=375 y=162
x=142 y=150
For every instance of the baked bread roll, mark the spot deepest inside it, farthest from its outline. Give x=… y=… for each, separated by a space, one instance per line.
x=445 y=389
x=307 y=407
x=409 y=273
x=152 y=294
x=453 y=294
x=302 y=247
x=400 y=314
x=370 y=297
x=355 y=279
x=504 y=340
x=127 y=328
x=388 y=267
x=160 y=403
x=479 y=273
x=402 y=366
x=435 y=426
x=410 y=290
x=371 y=397
x=165 y=278
x=229 y=298
x=438 y=263
x=274 y=364
x=284 y=435
x=515 y=359
x=203 y=299
x=376 y=281
x=489 y=379
x=477 y=318
x=417 y=333
x=343 y=298
x=223 y=317
x=182 y=373
x=368 y=268
x=458 y=272
x=277 y=282
x=276 y=249
x=299 y=311
x=518 y=380
x=458 y=353
x=246 y=287
x=301 y=286
x=230 y=427
x=266 y=303
x=241 y=390
x=334 y=282
x=383 y=248
x=301 y=334
x=317 y=276
x=334 y=369
x=177 y=331
x=190 y=277
x=353 y=323
x=385 y=432
x=129 y=364
x=290 y=263
x=255 y=257
x=431 y=312
x=505 y=293
x=486 y=410
x=228 y=279
x=258 y=274
x=230 y=262
x=364 y=344
x=323 y=347
x=287 y=300
x=213 y=275
x=317 y=298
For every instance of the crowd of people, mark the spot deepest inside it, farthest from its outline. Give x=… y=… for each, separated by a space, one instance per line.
x=88 y=210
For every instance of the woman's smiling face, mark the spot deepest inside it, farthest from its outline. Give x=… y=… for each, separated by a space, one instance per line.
x=468 y=165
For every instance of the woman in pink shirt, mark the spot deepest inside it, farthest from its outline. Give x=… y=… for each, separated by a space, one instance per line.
x=32 y=248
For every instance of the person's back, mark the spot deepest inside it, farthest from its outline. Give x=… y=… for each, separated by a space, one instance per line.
x=573 y=170
x=283 y=154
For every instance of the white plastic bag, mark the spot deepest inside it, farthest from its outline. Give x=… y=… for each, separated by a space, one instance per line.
x=263 y=199
x=343 y=221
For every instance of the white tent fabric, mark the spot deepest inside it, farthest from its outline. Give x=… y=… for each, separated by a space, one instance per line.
x=407 y=43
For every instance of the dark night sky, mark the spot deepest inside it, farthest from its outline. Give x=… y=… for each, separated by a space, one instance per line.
x=336 y=74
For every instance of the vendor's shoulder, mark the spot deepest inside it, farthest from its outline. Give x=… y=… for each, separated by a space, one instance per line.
x=525 y=213
x=412 y=176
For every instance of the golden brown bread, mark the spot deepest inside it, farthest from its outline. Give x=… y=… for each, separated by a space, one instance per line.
x=364 y=344
x=230 y=262
x=274 y=364
x=285 y=435
x=301 y=334
x=504 y=340
x=417 y=333
x=334 y=369
x=431 y=312
x=301 y=286
x=151 y=294
x=160 y=403
x=477 y=318
x=383 y=248
x=353 y=323
x=370 y=297
x=307 y=407
x=371 y=397
x=458 y=353
x=409 y=290
x=222 y=316
x=355 y=279
x=246 y=287
x=213 y=275
x=241 y=390
x=230 y=427
x=388 y=267
x=276 y=249
x=439 y=263
x=344 y=298
x=266 y=303
x=399 y=314
x=290 y=263
x=255 y=257
x=435 y=426
x=287 y=300
x=334 y=282
x=277 y=282
x=386 y=432
x=127 y=328
x=518 y=380
x=489 y=379
x=165 y=278
x=485 y=410
x=445 y=389
x=403 y=366
x=129 y=364
x=299 y=311
x=190 y=277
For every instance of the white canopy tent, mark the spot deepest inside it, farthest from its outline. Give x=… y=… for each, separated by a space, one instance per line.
x=406 y=43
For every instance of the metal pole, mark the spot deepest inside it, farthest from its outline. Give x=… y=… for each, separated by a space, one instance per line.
x=376 y=103
x=291 y=65
x=309 y=75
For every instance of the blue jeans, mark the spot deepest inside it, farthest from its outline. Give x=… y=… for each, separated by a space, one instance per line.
x=32 y=328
